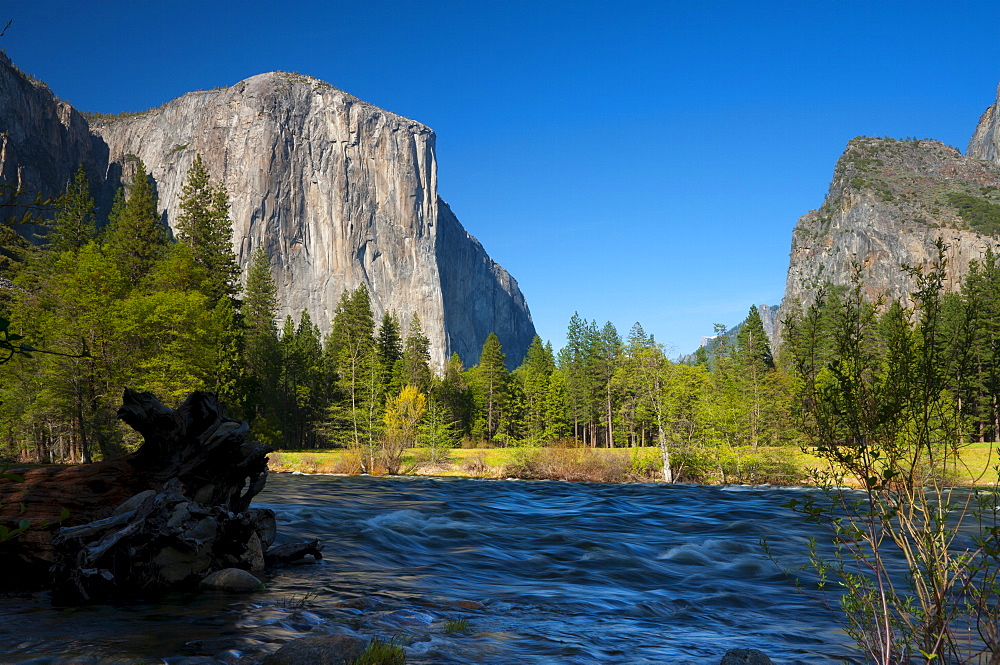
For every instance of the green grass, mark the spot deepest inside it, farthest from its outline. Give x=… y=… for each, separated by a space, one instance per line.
x=975 y=466
x=381 y=653
x=456 y=626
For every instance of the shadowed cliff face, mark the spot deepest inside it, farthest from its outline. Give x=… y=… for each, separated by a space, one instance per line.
x=42 y=139
x=889 y=202
x=338 y=192
x=477 y=289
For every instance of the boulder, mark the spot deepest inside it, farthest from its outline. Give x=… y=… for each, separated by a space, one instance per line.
x=745 y=657
x=318 y=650
x=232 y=579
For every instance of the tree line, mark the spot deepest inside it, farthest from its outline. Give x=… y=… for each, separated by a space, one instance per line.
x=119 y=301
x=124 y=303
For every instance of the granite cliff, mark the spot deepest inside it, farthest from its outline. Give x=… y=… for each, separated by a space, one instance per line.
x=337 y=191
x=888 y=204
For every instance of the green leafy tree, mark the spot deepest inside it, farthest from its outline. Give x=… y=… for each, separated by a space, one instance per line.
x=403 y=414
x=878 y=410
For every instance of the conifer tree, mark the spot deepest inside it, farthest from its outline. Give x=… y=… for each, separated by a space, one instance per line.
x=608 y=350
x=260 y=308
x=417 y=357
x=753 y=347
x=455 y=396
x=436 y=432
x=74 y=224
x=204 y=225
x=358 y=417
x=136 y=237
x=535 y=375
x=390 y=350
x=489 y=383
x=572 y=364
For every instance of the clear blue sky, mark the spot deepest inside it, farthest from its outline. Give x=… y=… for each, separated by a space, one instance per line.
x=633 y=161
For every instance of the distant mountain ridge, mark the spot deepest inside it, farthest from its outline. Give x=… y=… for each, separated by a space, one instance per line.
x=337 y=191
x=888 y=204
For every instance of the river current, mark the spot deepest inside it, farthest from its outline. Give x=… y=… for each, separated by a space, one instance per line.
x=543 y=572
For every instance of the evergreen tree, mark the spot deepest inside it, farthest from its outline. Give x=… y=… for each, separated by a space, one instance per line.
x=489 y=383
x=534 y=375
x=455 y=396
x=74 y=225
x=260 y=308
x=573 y=365
x=417 y=357
x=753 y=346
x=204 y=225
x=136 y=237
x=436 y=432
x=608 y=349
x=357 y=419
x=390 y=349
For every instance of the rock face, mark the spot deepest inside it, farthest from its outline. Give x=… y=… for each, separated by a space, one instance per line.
x=888 y=204
x=985 y=142
x=338 y=192
x=42 y=139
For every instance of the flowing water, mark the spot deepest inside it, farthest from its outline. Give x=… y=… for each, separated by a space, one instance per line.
x=544 y=572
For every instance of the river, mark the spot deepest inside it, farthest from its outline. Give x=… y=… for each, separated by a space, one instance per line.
x=544 y=572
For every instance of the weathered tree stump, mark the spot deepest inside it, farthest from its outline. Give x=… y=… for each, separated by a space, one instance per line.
x=163 y=517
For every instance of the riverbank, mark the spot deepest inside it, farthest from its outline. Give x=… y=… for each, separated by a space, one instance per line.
x=787 y=465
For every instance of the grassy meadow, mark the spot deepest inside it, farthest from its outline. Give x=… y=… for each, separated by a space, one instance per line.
x=784 y=465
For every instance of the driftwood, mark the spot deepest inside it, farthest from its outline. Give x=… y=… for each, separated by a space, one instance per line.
x=165 y=516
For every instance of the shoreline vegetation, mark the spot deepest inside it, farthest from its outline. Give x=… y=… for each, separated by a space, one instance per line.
x=747 y=465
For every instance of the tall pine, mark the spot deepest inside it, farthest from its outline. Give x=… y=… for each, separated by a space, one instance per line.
x=204 y=224
x=73 y=225
x=136 y=237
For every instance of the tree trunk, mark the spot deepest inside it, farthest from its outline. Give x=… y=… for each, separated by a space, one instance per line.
x=162 y=517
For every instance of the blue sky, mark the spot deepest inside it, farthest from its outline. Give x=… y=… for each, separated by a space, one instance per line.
x=633 y=161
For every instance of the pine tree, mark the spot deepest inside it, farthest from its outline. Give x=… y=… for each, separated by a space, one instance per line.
x=608 y=350
x=436 y=432
x=357 y=419
x=572 y=364
x=136 y=237
x=535 y=377
x=390 y=351
x=417 y=357
x=753 y=347
x=260 y=308
x=455 y=396
x=204 y=225
x=74 y=224
x=489 y=383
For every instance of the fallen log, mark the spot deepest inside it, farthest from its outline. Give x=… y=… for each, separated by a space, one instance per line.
x=165 y=516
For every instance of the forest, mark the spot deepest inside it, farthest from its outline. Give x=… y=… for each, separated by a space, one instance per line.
x=107 y=303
